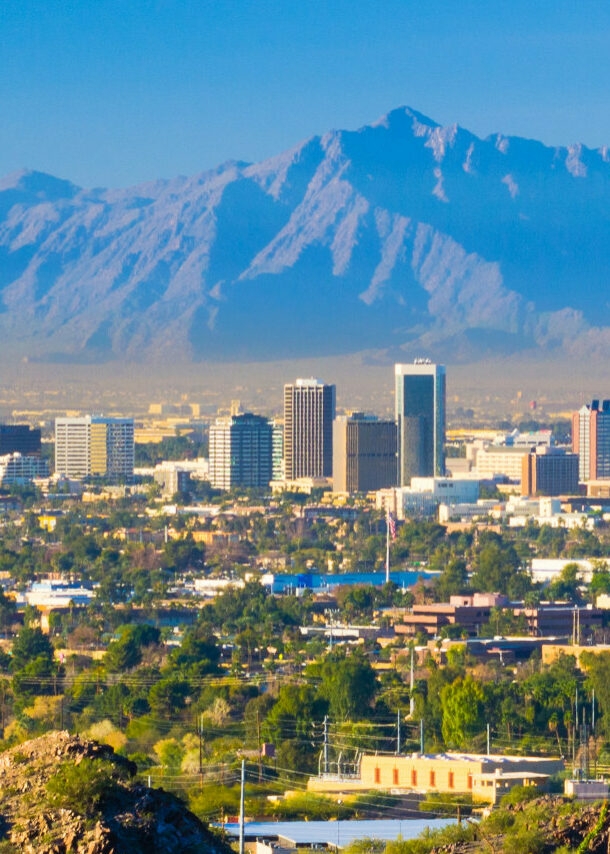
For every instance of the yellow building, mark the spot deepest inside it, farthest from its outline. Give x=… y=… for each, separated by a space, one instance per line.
x=486 y=778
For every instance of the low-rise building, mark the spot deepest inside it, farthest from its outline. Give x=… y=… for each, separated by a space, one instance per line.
x=172 y=478
x=485 y=777
x=426 y=494
x=468 y=612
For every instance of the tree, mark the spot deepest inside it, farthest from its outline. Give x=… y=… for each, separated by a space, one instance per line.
x=566 y=586
x=350 y=685
x=452 y=580
x=126 y=652
x=168 y=697
x=33 y=663
x=496 y=568
x=8 y=611
x=463 y=711
x=198 y=654
x=294 y=713
x=597 y=668
x=182 y=555
x=31 y=644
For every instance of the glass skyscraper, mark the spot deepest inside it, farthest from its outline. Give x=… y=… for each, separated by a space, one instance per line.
x=420 y=420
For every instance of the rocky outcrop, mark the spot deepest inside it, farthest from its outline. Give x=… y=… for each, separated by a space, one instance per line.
x=118 y=814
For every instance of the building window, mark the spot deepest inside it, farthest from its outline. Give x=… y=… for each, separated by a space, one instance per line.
x=395 y=776
x=377 y=775
x=432 y=778
x=413 y=777
x=469 y=781
x=451 y=780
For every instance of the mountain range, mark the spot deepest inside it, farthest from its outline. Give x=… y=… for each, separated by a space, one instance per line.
x=403 y=238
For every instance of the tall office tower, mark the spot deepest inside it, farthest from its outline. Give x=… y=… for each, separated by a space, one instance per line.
x=240 y=451
x=72 y=446
x=364 y=453
x=277 y=440
x=112 y=448
x=19 y=438
x=309 y=410
x=591 y=440
x=95 y=446
x=420 y=420
x=547 y=470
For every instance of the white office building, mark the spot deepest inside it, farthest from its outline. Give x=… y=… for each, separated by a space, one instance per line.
x=94 y=446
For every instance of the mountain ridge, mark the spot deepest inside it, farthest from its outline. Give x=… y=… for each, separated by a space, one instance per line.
x=403 y=236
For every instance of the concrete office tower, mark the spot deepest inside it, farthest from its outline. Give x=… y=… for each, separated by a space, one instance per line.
x=240 y=451
x=591 y=440
x=547 y=470
x=364 y=453
x=420 y=420
x=94 y=446
x=309 y=411
x=73 y=446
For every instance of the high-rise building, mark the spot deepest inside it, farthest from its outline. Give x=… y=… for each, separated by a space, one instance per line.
x=309 y=411
x=591 y=440
x=72 y=446
x=420 y=420
x=277 y=454
x=240 y=451
x=20 y=439
x=547 y=470
x=364 y=453
x=95 y=446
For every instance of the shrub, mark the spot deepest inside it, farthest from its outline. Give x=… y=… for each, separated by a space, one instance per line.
x=446 y=804
x=520 y=794
x=526 y=840
x=85 y=787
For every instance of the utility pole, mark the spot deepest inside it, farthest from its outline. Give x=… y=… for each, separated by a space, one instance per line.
x=326 y=744
x=200 y=733
x=421 y=736
x=412 y=683
x=584 y=749
x=241 y=806
x=398 y=734
x=260 y=749
x=488 y=741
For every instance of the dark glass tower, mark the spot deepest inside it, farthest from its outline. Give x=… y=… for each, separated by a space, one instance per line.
x=420 y=420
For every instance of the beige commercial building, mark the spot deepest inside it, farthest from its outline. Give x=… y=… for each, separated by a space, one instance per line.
x=364 y=453
x=486 y=778
x=309 y=411
x=499 y=460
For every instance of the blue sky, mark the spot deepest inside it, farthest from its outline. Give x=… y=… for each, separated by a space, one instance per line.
x=114 y=92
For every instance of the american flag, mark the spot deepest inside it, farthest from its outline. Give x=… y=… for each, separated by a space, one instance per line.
x=391 y=523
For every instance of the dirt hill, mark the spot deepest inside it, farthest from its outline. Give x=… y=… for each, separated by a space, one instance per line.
x=61 y=794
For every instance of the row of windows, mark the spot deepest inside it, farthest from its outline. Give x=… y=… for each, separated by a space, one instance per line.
x=412 y=776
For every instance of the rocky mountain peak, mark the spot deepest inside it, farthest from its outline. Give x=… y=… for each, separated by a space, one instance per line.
x=418 y=238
